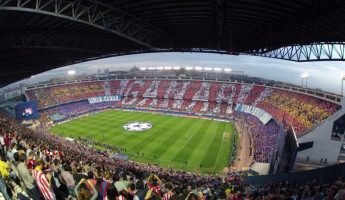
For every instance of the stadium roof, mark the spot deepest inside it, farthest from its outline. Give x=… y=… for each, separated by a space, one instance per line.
x=38 y=35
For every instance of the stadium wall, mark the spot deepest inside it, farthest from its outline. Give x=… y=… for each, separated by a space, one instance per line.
x=325 y=150
x=324 y=175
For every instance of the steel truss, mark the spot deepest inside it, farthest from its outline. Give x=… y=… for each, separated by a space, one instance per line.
x=47 y=40
x=303 y=53
x=158 y=50
x=93 y=13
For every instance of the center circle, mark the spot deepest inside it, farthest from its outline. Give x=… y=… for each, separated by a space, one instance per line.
x=137 y=126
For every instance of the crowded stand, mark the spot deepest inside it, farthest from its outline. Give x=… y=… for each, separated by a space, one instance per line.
x=163 y=86
x=209 y=99
x=203 y=92
x=60 y=113
x=255 y=95
x=38 y=165
x=137 y=88
x=63 y=94
x=152 y=91
x=176 y=90
x=264 y=137
x=235 y=94
x=214 y=88
x=193 y=89
x=244 y=92
x=226 y=93
x=302 y=111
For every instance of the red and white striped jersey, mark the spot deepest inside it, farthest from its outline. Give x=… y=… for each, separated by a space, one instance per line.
x=43 y=185
x=121 y=197
x=167 y=195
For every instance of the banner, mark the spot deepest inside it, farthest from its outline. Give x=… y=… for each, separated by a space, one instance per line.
x=27 y=110
x=262 y=115
x=101 y=99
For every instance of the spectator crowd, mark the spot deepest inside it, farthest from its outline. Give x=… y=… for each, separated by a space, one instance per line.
x=209 y=98
x=192 y=97
x=38 y=165
x=263 y=137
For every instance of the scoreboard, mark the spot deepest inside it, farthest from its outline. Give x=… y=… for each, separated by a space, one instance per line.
x=27 y=110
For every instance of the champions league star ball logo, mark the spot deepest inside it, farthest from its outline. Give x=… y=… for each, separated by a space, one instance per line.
x=137 y=126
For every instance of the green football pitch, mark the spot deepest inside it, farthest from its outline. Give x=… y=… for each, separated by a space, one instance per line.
x=191 y=144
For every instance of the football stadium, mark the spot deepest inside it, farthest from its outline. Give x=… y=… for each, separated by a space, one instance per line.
x=185 y=100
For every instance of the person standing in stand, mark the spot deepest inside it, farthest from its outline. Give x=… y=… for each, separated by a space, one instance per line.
x=42 y=181
x=2 y=143
x=7 y=141
x=27 y=178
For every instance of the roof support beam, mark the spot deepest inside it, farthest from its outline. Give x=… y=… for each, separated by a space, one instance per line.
x=48 y=40
x=94 y=14
x=333 y=51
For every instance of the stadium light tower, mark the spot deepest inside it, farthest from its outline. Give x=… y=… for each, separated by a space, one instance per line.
x=304 y=76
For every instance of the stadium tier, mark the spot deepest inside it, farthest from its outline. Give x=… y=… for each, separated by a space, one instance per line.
x=211 y=98
x=192 y=97
x=179 y=124
x=56 y=168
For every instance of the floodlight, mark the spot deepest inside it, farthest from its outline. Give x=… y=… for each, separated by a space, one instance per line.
x=151 y=68
x=227 y=70
x=304 y=75
x=189 y=68
x=71 y=72
x=198 y=68
x=160 y=68
x=167 y=68
x=176 y=67
x=217 y=69
x=142 y=68
x=208 y=68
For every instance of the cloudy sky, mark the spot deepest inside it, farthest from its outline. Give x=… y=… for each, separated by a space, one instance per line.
x=324 y=75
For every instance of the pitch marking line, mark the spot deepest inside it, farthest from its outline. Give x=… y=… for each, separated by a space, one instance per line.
x=221 y=144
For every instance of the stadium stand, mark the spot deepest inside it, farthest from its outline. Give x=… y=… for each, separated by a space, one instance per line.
x=74 y=170
x=60 y=113
x=193 y=97
x=67 y=93
x=302 y=111
x=264 y=136
x=279 y=103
